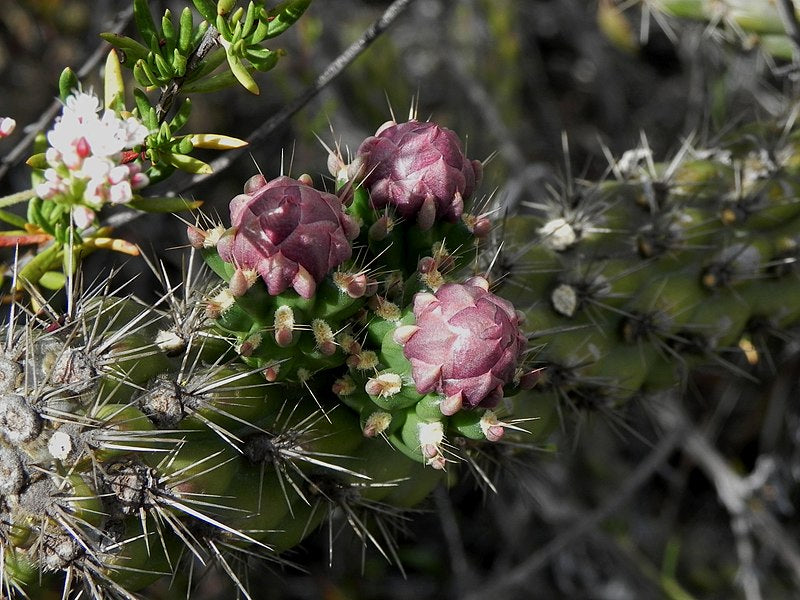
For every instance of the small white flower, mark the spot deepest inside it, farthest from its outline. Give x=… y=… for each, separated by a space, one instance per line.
x=96 y=193
x=139 y=180
x=82 y=105
x=135 y=132
x=120 y=193
x=7 y=125
x=95 y=167
x=86 y=149
x=118 y=174
x=82 y=216
x=52 y=156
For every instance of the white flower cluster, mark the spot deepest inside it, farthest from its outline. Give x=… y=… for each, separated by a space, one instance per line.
x=85 y=155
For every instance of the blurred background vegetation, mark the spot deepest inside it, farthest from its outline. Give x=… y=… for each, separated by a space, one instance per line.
x=548 y=89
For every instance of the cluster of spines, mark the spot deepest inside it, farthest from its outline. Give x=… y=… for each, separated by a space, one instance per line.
x=132 y=435
x=129 y=443
x=631 y=282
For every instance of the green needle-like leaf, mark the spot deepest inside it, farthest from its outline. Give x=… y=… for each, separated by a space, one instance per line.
x=242 y=74
x=132 y=49
x=188 y=164
x=207 y=8
x=284 y=16
x=144 y=22
x=185 y=32
x=214 y=83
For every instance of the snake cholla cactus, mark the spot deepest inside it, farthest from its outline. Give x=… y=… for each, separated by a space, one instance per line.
x=633 y=282
x=236 y=417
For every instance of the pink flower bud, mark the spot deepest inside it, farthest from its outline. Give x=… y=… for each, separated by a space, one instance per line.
x=197 y=236
x=290 y=233
x=466 y=346
x=419 y=169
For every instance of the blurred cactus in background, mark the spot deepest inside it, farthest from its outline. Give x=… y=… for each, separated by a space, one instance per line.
x=561 y=311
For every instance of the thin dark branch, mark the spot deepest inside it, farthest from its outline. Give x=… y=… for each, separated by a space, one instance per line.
x=19 y=151
x=463 y=577
x=169 y=93
x=733 y=491
x=499 y=587
x=334 y=70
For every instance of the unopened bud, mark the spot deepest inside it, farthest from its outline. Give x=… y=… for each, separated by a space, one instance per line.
x=491 y=427
x=377 y=423
x=426 y=264
x=452 y=404
x=197 y=237
x=349 y=344
x=363 y=361
x=219 y=304
x=384 y=385
x=431 y=437
x=380 y=228
x=255 y=183
x=241 y=281
x=344 y=386
x=323 y=336
x=352 y=284
x=271 y=372
x=284 y=326
x=7 y=126
x=355 y=170
x=250 y=345
x=528 y=380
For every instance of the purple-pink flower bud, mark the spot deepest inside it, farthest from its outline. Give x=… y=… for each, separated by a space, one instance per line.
x=420 y=169
x=290 y=233
x=466 y=344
